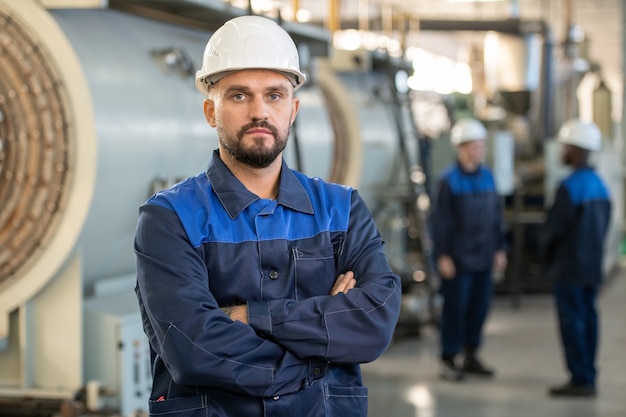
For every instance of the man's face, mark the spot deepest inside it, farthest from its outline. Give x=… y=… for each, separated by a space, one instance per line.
x=252 y=111
x=472 y=153
x=567 y=154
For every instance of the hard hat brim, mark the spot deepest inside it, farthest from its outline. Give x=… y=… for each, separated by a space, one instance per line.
x=205 y=81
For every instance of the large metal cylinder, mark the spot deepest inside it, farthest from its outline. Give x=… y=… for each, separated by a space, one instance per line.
x=47 y=152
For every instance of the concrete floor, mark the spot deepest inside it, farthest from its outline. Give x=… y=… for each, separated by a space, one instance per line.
x=522 y=345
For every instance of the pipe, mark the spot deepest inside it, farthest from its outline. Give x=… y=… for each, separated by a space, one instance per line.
x=513 y=26
x=364 y=23
x=386 y=15
x=333 y=16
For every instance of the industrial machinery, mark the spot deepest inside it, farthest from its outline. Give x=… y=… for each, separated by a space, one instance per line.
x=97 y=111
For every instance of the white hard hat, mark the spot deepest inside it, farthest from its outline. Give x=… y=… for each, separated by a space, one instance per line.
x=466 y=130
x=582 y=134
x=247 y=42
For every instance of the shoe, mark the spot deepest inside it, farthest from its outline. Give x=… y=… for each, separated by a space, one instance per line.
x=450 y=371
x=573 y=390
x=473 y=366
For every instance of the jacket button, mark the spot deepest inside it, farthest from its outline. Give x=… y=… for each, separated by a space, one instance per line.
x=276 y=398
x=273 y=274
x=316 y=371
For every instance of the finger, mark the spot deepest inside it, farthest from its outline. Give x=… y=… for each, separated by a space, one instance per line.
x=347 y=285
x=348 y=281
x=351 y=285
x=337 y=285
x=351 y=281
x=343 y=283
x=348 y=276
x=344 y=288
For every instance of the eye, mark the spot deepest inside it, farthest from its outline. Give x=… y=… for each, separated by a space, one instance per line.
x=274 y=96
x=238 y=96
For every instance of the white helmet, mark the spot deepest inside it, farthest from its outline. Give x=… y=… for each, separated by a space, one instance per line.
x=466 y=130
x=249 y=42
x=583 y=135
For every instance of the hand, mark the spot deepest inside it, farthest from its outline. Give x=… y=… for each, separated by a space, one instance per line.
x=237 y=313
x=445 y=266
x=500 y=261
x=344 y=283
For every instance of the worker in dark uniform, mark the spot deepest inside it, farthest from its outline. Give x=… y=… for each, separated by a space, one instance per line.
x=469 y=244
x=261 y=290
x=575 y=230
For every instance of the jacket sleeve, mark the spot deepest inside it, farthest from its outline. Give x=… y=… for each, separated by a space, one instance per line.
x=355 y=327
x=442 y=220
x=502 y=228
x=199 y=344
x=558 y=219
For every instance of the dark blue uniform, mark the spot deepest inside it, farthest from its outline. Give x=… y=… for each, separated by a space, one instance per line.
x=207 y=243
x=467 y=226
x=573 y=250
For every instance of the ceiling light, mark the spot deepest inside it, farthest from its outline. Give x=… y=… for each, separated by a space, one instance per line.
x=303 y=15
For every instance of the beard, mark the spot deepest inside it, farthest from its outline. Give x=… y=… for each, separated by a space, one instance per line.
x=258 y=155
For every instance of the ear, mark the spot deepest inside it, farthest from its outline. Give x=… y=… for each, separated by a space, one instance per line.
x=209 y=111
x=294 y=109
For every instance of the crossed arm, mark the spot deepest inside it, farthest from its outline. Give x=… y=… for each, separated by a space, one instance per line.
x=343 y=284
x=269 y=344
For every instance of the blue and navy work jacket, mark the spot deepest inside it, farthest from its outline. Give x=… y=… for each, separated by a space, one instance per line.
x=467 y=220
x=208 y=243
x=575 y=229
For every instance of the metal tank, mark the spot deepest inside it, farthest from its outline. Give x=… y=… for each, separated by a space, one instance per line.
x=97 y=110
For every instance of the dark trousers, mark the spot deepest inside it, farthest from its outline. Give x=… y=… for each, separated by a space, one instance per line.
x=466 y=301
x=578 y=325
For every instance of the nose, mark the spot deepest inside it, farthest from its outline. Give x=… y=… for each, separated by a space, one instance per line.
x=258 y=109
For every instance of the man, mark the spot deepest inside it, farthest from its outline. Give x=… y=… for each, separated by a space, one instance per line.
x=261 y=289
x=575 y=230
x=469 y=243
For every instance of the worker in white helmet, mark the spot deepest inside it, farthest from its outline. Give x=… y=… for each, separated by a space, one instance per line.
x=261 y=290
x=574 y=235
x=469 y=244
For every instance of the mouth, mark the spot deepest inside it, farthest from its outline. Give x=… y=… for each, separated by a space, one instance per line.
x=258 y=131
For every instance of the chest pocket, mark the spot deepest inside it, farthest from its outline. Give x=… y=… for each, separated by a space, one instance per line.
x=314 y=270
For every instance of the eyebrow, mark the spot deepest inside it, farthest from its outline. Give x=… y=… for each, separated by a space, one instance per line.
x=244 y=88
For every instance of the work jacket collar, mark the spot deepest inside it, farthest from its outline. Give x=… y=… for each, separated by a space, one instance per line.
x=235 y=197
x=468 y=172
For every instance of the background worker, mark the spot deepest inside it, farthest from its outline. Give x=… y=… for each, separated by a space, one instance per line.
x=469 y=244
x=574 y=235
x=261 y=290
